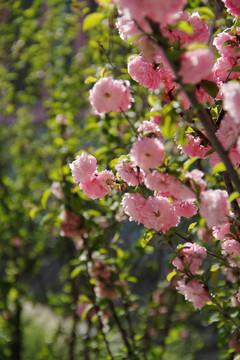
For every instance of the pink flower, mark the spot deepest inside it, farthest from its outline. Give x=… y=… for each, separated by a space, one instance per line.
x=196 y=65
x=220 y=232
x=214 y=206
x=184 y=208
x=83 y=168
x=169 y=186
x=150 y=74
x=192 y=254
x=195 y=147
x=232 y=249
x=110 y=95
x=133 y=206
x=156 y=10
x=94 y=188
x=194 y=292
x=200 y=30
x=147 y=153
x=149 y=128
x=238 y=294
x=107 y=179
x=127 y=27
x=128 y=172
x=160 y=214
x=57 y=190
x=70 y=224
x=154 y=213
x=231 y=103
x=233 y=7
x=195 y=178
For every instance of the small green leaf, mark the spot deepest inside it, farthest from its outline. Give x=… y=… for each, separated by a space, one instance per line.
x=204 y=10
x=45 y=197
x=210 y=87
x=92 y=20
x=145 y=239
x=189 y=162
x=220 y=167
x=90 y=79
x=171 y=275
x=235 y=69
x=229 y=42
x=191 y=227
x=233 y=196
x=76 y=271
x=185 y=26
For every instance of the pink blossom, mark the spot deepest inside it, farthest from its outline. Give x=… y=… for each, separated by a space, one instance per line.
x=148 y=128
x=70 y=224
x=200 y=30
x=220 y=231
x=61 y=119
x=231 y=103
x=150 y=74
x=205 y=234
x=128 y=172
x=127 y=26
x=227 y=131
x=227 y=50
x=195 y=147
x=156 y=119
x=232 y=249
x=94 y=188
x=134 y=205
x=160 y=214
x=154 y=213
x=147 y=153
x=57 y=190
x=156 y=10
x=238 y=294
x=107 y=179
x=222 y=67
x=110 y=95
x=196 y=65
x=194 y=292
x=192 y=254
x=195 y=178
x=184 y=208
x=83 y=168
x=233 y=7
x=169 y=186
x=214 y=206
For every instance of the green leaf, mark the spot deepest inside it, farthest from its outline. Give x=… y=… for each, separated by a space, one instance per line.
x=233 y=196
x=45 y=197
x=210 y=87
x=76 y=271
x=105 y=3
x=230 y=42
x=92 y=20
x=185 y=26
x=171 y=275
x=235 y=69
x=189 y=162
x=145 y=239
x=191 y=227
x=220 y=167
x=90 y=79
x=204 y=10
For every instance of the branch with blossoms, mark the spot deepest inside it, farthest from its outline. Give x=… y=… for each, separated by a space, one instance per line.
x=194 y=95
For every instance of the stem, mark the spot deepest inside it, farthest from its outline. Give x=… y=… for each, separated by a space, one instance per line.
x=16 y=346
x=121 y=329
x=100 y=324
x=129 y=122
x=223 y=312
